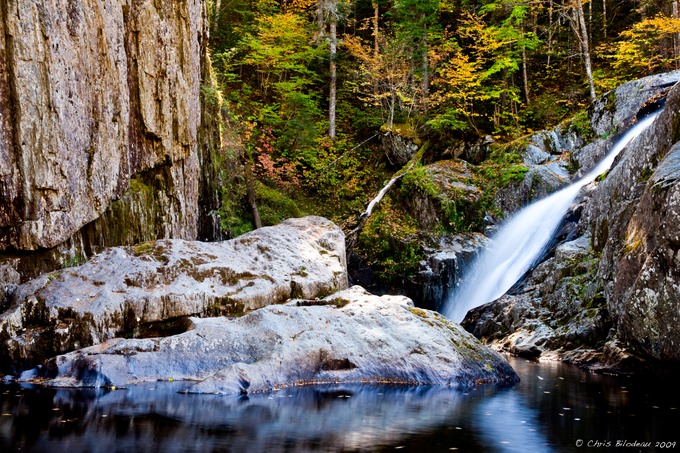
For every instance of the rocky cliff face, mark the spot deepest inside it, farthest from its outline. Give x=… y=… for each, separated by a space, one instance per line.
x=633 y=217
x=99 y=124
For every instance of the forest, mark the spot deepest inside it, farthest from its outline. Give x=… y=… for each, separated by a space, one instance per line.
x=309 y=90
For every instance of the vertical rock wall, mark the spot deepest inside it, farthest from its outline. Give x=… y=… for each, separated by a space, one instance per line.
x=633 y=218
x=99 y=122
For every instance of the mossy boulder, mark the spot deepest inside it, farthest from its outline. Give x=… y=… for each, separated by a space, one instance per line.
x=442 y=196
x=400 y=143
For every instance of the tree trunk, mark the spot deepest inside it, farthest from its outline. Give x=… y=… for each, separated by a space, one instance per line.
x=524 y=71
x=604 y=18
x=376 y=49
x=334 y=78
x=426 y=75
x=586 y=48
x=214 y=18
x=676 y=39
x=590 y=20
x=320 y=20
x=425 y=84
x=550 y=31
x=393 y=101
x=250 y=191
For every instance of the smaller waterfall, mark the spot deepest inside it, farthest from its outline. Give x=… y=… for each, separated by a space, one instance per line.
x=381 y=194
x=352 y=237
x=520 y=241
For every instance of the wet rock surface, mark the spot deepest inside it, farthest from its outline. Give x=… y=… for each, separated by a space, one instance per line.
x=613 y=112
x=559 y=308
x=443 y=267
x=152 y=287
x=352 y=336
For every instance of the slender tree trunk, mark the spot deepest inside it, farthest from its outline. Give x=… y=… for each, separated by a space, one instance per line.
x=550 y=31
x=425 y=83
x=676 y=39
x=590 y=20
x=334 y=77
x=320 y=20
x=376 y=35
x=393 y=101
x=585 y=47
x=604 y=18
x=250 y=192
x=214 y=18
x=426 y=75
x=524 y=74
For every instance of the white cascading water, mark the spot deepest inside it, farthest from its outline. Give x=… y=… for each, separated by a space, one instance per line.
x=522 y=239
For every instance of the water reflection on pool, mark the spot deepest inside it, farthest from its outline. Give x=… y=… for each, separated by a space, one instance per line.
x=553 y=408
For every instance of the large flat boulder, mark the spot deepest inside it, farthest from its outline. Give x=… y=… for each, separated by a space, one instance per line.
x=352 y=336
x=141 y=290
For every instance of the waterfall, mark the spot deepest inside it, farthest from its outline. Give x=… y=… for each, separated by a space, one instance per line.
x=352 y=237
x=520 y=241
x=381 y=194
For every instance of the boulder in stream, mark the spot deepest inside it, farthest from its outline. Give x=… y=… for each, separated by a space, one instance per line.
x=351 y=336
x=151 y=288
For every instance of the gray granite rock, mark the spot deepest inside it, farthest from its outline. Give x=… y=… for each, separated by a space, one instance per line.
x=443 y=267
x=610 y=299
x=538 y=182
x=614 y=111
x=132 y=291
x=100 y=123
x=352 y=336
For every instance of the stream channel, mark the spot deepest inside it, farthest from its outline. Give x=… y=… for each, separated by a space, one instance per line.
x=555 y=407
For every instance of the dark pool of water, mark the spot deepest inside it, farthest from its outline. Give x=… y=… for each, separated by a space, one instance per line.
x=554 y=408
